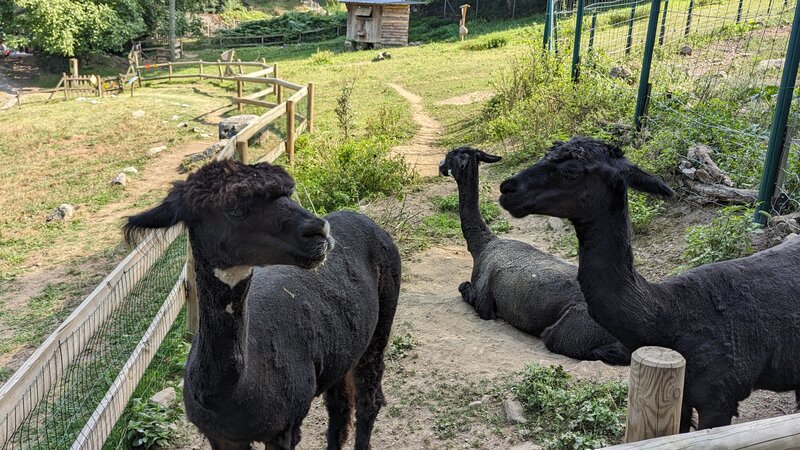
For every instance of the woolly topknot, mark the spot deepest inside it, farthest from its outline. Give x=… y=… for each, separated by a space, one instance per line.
x=224 y=184
x=584 y=149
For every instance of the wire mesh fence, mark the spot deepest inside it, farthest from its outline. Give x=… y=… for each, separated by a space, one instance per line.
x=62 y=393
x=714 y=81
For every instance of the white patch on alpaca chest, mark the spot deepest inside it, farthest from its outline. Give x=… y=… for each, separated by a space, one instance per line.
x=233 y=275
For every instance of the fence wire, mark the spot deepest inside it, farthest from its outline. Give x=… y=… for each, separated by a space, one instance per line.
x=715 y=77
x=119 y=323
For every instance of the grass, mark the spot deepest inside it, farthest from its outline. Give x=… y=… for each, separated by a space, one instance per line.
x=447 y=223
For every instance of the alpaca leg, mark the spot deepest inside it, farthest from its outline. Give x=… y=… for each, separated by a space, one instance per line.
x=686 y=417
x=217 y=444
x=339 y=402
x=713 y=417
x=467 y=292
x=368 y=378
x=484 y=308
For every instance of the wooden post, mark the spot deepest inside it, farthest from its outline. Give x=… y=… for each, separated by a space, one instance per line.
x=290 y=130
x=655 y=393
x=241 y=150
x=310 y=117
x=275 y=87
x=219 y=66
x=192 y=307
x=240 y=66
x=201 y=69
x=239 y=89
x=73 y=67
x=170 y=71
x=66 y=85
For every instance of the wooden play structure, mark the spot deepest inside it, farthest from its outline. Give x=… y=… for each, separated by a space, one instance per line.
x=377 y=23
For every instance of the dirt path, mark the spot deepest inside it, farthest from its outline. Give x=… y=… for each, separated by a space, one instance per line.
x=421 y=153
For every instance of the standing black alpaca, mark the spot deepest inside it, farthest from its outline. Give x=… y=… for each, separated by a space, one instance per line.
x=736 y=322
x=272 y=338
x=535 y=292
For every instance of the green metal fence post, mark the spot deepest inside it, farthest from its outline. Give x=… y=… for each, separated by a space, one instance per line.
x=739 y=11
x=591 y=32
x=663 y=24
x=556 y=11
x=647 y=60
x=629 y=42
x=548 y=27
x=689 y=18
x=777 y=135
x=576 y=48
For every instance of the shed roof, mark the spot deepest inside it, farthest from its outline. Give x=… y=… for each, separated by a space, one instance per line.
x=384 y=2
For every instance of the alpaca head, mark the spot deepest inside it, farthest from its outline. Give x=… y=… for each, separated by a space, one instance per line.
x=463 y=162
x=579 y=179
x=240 y=215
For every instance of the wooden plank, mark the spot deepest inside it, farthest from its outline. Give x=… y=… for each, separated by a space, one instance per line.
x=290 y=130
x=261 y=73
x=776 y=433
x=286 y=84
x=273 y=154
x=242 y=150
x=259 y=94
x=302 y=127
x=16 y=399
x=248 y=101
x=110 y=409
x=192 y=306
x=297 y=96
x=655 y=394
x=227 y=151
x=265 y=119
x=310 y=108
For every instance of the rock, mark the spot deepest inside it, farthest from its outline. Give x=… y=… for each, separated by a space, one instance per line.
x=180 y=385
x=415 y=43
x=94 y=102
x=191 y=161
x=515 y=413
x=138 y=114
x=686 y=50
x=527 y=445
x=130 y=170
x=121 y=179
x=790 y=236
x=183 y=125
x=80 y=99
x=229 y=127
x=184 y=105
x=689 y=172
x=156 y=150
x=475 y=404
x=555 y=224
x=770 y=64
x=164 y=398
x=196 y=130
x=381 y=56
x=775 y=241
x=621 y=72
x=63 y=212
x=176 y=117
x=205 y=135
x=486 y=399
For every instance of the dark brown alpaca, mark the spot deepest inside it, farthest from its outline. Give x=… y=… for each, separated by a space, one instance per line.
x=274 y=334
x=736 y=322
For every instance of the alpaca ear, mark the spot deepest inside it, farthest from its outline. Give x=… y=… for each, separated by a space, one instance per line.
x=487 y=158
x=644 y=182
x=163 y=216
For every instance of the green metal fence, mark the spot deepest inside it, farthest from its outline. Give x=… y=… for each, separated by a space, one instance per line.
x=717 y=73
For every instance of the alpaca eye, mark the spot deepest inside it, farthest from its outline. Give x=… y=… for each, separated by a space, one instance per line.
x=237 y=212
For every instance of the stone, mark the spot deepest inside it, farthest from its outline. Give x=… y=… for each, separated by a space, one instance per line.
x=183 y=125
x=165 y=398
x=80 y=99
x=191 y=161
x=176 y=117
x=138 y=114
x=515 y=413
x=130 y=170
x=94 y=102
x=686 y=50
x=196 y=130
x=205 y=135
x=527 y=445
x=475 y=404
x=62 y=213
x=121 y=179
x=770 y=64
x=231 y=126
x=689 y=172
x=621 y=72
x=156 y=150
x=555 y=223
x=790 y=236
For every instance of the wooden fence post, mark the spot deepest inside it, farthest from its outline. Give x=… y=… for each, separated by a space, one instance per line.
x=290 y=130
x=239 y=90
x=276 y=87
x=241 y=150
x=240 y=66
x=170 y=71
x=66 y=85
x=655 y=393
x=219 y=66
x=310 y=112
x=201 y=69
x=73 y=67
x=192 y=307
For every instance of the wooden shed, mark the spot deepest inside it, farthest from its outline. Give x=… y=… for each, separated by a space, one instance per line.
x=377 y=23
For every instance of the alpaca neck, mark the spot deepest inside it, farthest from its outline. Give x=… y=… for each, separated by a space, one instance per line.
x=619 y=299
x=475 y=231
x=219 y=348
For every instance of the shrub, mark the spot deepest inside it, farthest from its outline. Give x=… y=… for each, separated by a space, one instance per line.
x=485 y=43
x=344 y=110
x=576 y=414
x=290 y=24
x=147 y=425
x=334 y=176
x=643 y=209
x=391 y=122
x=321 y=58
x=726 y=237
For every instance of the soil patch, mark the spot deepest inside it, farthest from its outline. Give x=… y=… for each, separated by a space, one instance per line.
x=467 y=99
x=421 y=153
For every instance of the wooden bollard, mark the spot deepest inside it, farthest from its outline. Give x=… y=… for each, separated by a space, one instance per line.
x=655 y=393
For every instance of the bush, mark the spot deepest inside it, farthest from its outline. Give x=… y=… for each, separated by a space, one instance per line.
x=290 y=24
x=321 y=58
x=576 y=414
x=643 y=209
x=335 y=176
x=448 y=223
x=726 y=237
x=147 y=425
x=485 y=43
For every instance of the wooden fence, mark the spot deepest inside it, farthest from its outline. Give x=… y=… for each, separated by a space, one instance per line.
x=43 y=371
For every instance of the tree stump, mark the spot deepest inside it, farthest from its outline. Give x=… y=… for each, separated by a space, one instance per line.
x=655 y=393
